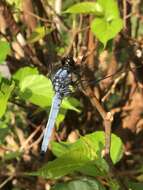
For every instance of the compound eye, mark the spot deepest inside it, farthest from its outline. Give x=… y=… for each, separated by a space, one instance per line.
x=68 y=61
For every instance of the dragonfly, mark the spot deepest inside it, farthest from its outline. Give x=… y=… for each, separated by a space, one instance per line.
x=61 y=84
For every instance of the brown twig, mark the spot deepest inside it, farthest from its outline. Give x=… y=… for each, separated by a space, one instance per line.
x=106 y=116
x=29 y=139
x=6 y=181
x=46 y=4
x=14 y=31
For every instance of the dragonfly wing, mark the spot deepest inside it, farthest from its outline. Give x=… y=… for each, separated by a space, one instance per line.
x=50 y=124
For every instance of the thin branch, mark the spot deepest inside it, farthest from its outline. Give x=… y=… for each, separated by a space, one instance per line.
x=57 y=15
x=29 y=138
x=6 y=181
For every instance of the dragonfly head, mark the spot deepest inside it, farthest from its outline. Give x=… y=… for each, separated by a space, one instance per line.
x=68 y=62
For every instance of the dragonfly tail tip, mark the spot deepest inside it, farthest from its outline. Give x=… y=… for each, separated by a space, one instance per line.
x=42 y=154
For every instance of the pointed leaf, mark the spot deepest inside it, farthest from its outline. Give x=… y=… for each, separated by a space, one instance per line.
x=105 y=30
x=108 y=26
x=96 y=140
x=110 y=9
x=71 y=103
x=86 y=7
x=66 y=164
x=83 y=156
x=5 y=93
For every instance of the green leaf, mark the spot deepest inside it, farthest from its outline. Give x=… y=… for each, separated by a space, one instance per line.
x=85 y=155
x=105 y=30
x=93 y=168
x=66 y=164
x=114 y=184
x=38 y=90
x=5 y=93
x=84 y=184
x=116 y=149
x=24 y=72
x=61 y=116
x=85 y=7
x=110 y=9
x=12 y=155
x=78 y=156
x=39 y=33
x=4 y=50
x=97 y=140
x=98 y=167
x=16 y=3
x=107 y=23
x=1 y=77
x=4 y=130
x=108 y=26
x=135 y=186
x=71 y=103
x=59 y=149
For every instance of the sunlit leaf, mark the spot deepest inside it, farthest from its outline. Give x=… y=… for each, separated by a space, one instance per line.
x=4 y=50
x=83 y=155
x=24 y=72
x=5 y=93
x=108 y=26
x=71 y=103
x=110 y=9
x=107 y=23
x=61 y=116
x=86 y=7
x=16 y=3
x=38 y=90
x=97 y=140
x=39 y=33
x=105 y=30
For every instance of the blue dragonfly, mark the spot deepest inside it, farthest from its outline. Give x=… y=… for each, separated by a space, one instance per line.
x=61 y=84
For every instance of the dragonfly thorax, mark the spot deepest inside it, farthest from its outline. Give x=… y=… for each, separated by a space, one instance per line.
x=61 y=82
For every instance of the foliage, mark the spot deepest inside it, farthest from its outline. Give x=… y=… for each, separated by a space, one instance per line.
x=87 y=184
x=83 y=156
x=5 y=47
x=107 y=23
x=34 y=37
x=6 y=90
